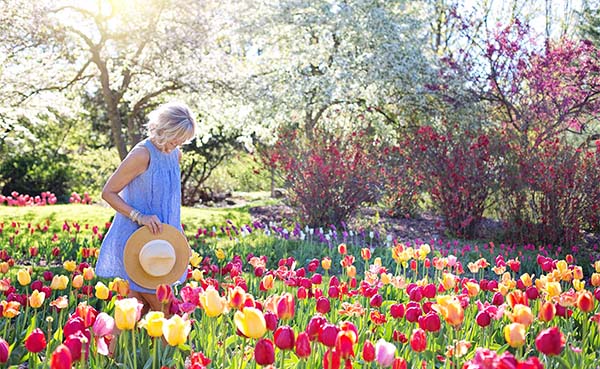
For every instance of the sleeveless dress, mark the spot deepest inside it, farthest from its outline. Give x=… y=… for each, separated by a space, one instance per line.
x=157 y=191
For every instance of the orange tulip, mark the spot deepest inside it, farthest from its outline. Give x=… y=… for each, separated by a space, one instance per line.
x=585 y=301
x=522 y=314
x=286 y=306
x=547 y=311
x=451 y=309
x=514 y=334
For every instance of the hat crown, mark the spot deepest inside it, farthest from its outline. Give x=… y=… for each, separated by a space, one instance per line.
x=157 y=257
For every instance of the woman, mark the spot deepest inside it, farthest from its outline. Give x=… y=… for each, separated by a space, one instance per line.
x=145 y=190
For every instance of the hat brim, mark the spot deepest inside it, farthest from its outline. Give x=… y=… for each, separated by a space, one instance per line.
x=141 y=237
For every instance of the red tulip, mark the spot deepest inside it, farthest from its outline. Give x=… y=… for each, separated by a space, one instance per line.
x=547 y=312
x=585 y=301
x=314 y=327
x=164 y=293
x=75 y=344
x=323 y=305
x=36 y=341
x=333 y=292
x=550 y=341
x=316 y=278
x=328 y=334
x=286 y=306
x=418 y=340
x=397 y=311
x=4 y=350
x=429 y=291
x=61 y=358
x=368 y=352
x=264 y=352
x=271 y=320
x=284 y=338
x=344 y=343
x=301 y=294
x=303 y=345
x=73 y=325
x=430 y=322
x=331 y=359
x=399 y=363
x=483 y=319
x=376 y=301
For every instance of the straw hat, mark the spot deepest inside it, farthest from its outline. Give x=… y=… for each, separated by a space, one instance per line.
x=151 y=260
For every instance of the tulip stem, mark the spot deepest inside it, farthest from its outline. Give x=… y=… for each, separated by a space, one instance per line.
x=134 y=348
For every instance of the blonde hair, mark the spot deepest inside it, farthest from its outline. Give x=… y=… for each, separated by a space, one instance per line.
x=169 y=122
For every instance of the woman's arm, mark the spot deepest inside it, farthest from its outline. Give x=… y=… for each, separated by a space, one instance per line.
x=132 y=166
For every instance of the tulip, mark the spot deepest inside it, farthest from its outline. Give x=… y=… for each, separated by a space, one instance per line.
x=418 y=340
x=323 y=305
x=522 y=314
x=77 y=281
x=399 y=363
x=397 y=311
x=176 y=330
x=4 y=350
x=430 y=322
x=368 y=352
x=284 y=338
x=36 y=341
x=376 y=300
x=75 y=343
x=483 y=318
x=36 y=299
x=550 y=341
x=271 y=320
x=547 y=312
x=344 y=343
x=331 y=359
x=88 y=273
x=585 y=301
x=61 y=358
x=314 y=327
x=328 y=334
x=237 y=296
x=127 y=313
x=365 y=253
x=251 y=322
x=104 y=325
x=303 y=345
x=70 y=266
x=266 y=283
x=326 y=263
x=120 y=286
x=514 y=334
x=384 y=353
x=87 y=313
x=264 y=352
x=73 y=325
x=59 y=282
x=164 y=293
x=102 y=292
x=153 y=322
x=212 y=302
x=342 y=249
x=286 y=306
x=23 y=277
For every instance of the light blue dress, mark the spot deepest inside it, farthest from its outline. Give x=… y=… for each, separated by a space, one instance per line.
x=157 y=191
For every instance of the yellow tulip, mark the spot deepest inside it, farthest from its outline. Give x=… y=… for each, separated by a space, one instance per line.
x=553 y=289
x=176 y=330
x=70 y=266
x=326 y=263
x=514 y=334
x=220 y=254
x=212 y=302
x=36 y=299
x=102 y=291
x=77 y=281
x=153 y=322
x=472 y=289
x=251 y=322
x=196 y=259
x=448 y=281
x=527 y=280
x=127 y=313
x=23 y=277
x=59 y=282
x=578 y=284
x=386 y=278
x=197 y=275
x=377 y=262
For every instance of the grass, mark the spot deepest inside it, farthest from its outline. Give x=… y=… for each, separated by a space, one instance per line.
x=99 y=214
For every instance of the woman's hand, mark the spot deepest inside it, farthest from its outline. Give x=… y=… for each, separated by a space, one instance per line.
x=152 y=222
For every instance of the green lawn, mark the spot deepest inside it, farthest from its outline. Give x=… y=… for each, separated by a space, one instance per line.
x=98 y=215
